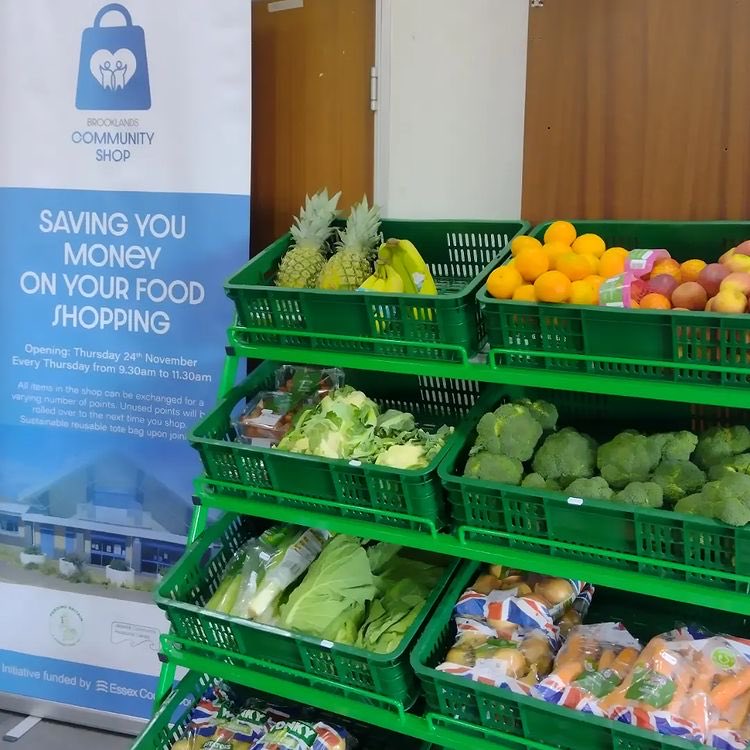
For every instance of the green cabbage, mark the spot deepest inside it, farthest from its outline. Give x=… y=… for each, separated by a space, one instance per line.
x=348 y=425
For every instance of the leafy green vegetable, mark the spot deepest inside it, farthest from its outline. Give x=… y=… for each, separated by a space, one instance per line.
x=346 y=424
x=331 y=596
x=406 y=585
x=380 y=555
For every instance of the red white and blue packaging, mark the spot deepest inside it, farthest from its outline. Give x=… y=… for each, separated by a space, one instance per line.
x=508 y=632
x=696 y=689
x=594 y=660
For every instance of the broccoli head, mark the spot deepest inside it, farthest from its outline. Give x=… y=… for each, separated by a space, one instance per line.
x=643 y=494
x=544 y=412
x=730 y=486
x=733 y=511
x=565 y=456
x=727 y=499
x=534 y=481
x=594 y=488
x=538 y=482
x=678 y=478
x=718 y=443
x=695 y=505
x=732 y=465
x=674 y=446
x=628 y=457
x=490 y=467
x=510 y=430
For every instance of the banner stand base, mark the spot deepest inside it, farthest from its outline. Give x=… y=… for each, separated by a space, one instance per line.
x=21 y=729
x=32 y=708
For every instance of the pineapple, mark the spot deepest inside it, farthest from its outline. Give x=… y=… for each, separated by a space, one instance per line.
x=302 y=263
x=351 y=264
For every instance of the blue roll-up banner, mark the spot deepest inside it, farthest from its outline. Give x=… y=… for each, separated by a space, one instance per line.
x=124 y=205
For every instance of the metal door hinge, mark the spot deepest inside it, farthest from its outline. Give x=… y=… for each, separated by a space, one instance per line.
x=537 y=3
x=373 y=88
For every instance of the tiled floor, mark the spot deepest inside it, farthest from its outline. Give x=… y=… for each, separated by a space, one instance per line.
x=52 y=736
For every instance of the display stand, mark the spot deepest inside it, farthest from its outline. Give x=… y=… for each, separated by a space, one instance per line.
x=560 y=559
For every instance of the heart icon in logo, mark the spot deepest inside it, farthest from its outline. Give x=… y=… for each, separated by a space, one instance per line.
x=113 y=71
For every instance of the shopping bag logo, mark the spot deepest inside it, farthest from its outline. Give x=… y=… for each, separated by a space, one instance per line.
x=113 y=68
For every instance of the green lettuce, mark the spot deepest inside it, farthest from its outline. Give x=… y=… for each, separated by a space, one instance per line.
x=331 y=598
x=346 y=424
x=405 y=586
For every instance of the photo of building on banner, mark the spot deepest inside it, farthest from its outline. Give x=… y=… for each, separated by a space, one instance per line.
x=124 y=205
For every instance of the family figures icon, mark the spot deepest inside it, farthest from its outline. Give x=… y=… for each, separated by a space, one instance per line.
x=113 y=77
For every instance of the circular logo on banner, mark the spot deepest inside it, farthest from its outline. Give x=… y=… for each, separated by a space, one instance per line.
x=66 y=625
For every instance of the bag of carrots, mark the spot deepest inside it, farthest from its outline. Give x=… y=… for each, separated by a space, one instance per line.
x=593 y=662
x=696 y=689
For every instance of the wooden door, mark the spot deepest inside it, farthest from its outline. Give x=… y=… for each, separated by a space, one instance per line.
x=312 y=122
x=638 y=109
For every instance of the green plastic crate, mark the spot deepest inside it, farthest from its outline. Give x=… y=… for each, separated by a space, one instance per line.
x=360 y=488
x=170 y=721
x=657 y=542
x=490 y=709
x=194 y=579
x=460 y=254
x=683 y=347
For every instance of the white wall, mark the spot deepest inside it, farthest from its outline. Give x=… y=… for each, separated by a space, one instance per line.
x=450 y=127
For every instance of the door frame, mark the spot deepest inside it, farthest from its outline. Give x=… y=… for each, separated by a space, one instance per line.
x=383 y=112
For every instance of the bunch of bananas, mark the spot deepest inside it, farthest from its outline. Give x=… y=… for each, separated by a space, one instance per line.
x=400 y=269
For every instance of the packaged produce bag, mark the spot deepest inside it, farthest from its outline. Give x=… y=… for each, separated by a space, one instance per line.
x=304 y=735
x=508 y=628
x=269 y=415
x=226 y=731
x=593 y=661
x=264 y=567
x=693 y=688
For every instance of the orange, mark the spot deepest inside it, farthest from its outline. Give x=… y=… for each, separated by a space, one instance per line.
x=590 y=244
x=560 y=231
x=619 y=251
x=655 y=301
x=531 y=263
x=554 y=250
x=669 y=266
x=503 y=281
x=595 y=282
x=691 y=268
x=574 y=266
x=552 y=286
x=612 y=262
x=525 y=293
x=593 y=262
x=519 y=243
x=582 y=293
